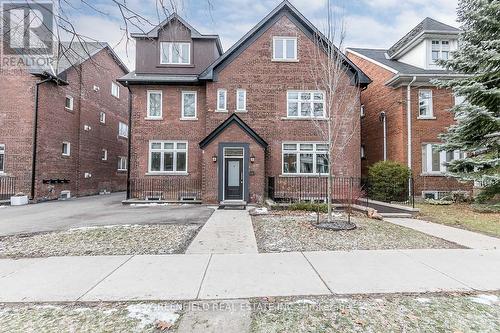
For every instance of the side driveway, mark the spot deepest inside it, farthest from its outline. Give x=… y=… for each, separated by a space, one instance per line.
x=94 y=211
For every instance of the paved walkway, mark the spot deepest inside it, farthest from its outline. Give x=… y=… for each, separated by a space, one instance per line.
x=226 y=231
x=233 y=276
x=466 y=238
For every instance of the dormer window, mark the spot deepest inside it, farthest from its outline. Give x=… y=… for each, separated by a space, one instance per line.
x=174 y=53
x=284 y=49
x=440 y=50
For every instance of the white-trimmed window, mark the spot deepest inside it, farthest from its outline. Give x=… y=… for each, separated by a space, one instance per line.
x=122 y=163
x=123 y=130
x=189 y=105
x=154 y=104
x=68 y=104
x=2 y=158
x=174 y=53
x=434 y=160
x=425 y=103
x=362 y=110
x=102 y=117
x=459 y=99
x=304 y=158
x=115 y=89
x=168 y=156
x=363 y=154
x=66 y=148
x=440 y=50
x=305 y=104
x=104 y=155
x=241 y=100
x=284 y=48
x=221 y=100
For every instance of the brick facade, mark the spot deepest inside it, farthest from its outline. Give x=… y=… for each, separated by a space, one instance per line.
x=56 y=125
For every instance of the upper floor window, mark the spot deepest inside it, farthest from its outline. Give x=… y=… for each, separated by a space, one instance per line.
x=425 y=103
x=69 y=103
x=104 y=154
x=168 y=156
x=174 y=53
x=66 y=148
x=440 y=50
x=102 y=117
x=285 y=48
x=188 y=104
x=154 y=104
x=362 y=110
x=363 y=154
x=122 y=163
x=115 y=90
x=221 y=100
x=2 y=158
x=241 y=100
x=459 y=99
x=434 y=160
x=123 y=130
x=305 y=158
x=305 y=104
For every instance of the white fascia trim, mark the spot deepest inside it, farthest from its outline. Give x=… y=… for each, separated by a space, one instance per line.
x=390 y=69
x=430 y=76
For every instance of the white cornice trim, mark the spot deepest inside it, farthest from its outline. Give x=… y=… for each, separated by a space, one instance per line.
x=390 y=69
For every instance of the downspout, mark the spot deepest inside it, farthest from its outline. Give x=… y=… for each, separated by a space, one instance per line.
x=129 y=138
x=383 y=119
x=35 y=138
x=408 y=124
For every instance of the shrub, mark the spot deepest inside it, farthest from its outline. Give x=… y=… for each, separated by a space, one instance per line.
x=388 y=181
x=309 y=207
x=489 y=194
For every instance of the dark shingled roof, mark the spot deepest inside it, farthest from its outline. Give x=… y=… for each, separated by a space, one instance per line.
x=428 y=24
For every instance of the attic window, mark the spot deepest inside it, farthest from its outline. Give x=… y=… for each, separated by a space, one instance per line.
x=285 y=49
x=175 y=53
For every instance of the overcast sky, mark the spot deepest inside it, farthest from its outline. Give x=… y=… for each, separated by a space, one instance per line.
x=370 y=23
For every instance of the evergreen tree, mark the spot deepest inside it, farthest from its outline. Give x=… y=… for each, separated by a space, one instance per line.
x=477 y=131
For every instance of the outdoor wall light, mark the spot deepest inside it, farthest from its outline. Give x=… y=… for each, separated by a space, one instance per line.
x=252 y=158
x=214 y=158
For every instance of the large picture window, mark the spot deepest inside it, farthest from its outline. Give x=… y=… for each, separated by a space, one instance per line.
x=175 y=53
x=305 y=104
x=434 y=160
x=168 y=156
x=305 y=158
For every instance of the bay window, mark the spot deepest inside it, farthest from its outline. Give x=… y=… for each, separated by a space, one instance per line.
x=168 y=156
x=305 y=158
x=305 y=104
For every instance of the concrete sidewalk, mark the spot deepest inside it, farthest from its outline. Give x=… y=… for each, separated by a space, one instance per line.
x=226 y=231
x=232 y=276
x=472 y=240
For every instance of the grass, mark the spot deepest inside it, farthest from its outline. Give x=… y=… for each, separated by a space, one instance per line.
x=396 y=313
x=462 y=216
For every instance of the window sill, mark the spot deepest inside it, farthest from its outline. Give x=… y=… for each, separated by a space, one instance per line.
x=221 y=111
x=68 y=109
x=426 y=118
x=121 y=170
x=285 y=60
x=285 y=175
x=188 y=119
x=304 y=118
x=175 y=65
x=241 y=111
x=167 y=173
x=153 y=118
x=65 y=156
x=122 y=137
x=433 y=174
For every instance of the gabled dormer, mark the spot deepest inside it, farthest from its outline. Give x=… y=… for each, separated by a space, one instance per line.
x=174 y=47
x=429 y=41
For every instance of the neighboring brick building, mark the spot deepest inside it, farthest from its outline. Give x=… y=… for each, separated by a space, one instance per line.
x=213 y=127
x=80 y=109
x=409 y=66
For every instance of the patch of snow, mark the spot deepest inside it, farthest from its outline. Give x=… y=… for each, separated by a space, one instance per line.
x=343 y=300
x=80 y=310
x=106 y=227
x=485 y=299
x=260 y=211
x=423 y=300
x=305 y=301
x=150 y=313
x=47 y=306
x=152 y=204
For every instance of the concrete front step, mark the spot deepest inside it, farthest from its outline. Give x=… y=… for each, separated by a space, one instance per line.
x=233 y=204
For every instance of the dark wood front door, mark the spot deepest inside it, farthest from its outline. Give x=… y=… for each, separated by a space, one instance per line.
x=233 y=179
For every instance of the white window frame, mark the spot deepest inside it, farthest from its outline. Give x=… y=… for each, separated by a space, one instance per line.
x=148 y=115
x=2 y=152
x=363 y=152
x=183 y=116
x=362 y=111
x=284 y=58
x=102 y=117
x=123 y=134
x=219 y=100
x=68 y=150
x=71 y=102
x=104 y=154
x=427 y=163
x=299 y=100
x=170 y=46
x=122 y=163
x=440 y=50
x=163 y=150
x=430 y=114
x=298 y=151
x=115 y=86
x=241 y=108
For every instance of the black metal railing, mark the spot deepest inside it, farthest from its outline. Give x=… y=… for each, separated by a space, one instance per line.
x=7 y=187
x=392 y=191
x=166 y=189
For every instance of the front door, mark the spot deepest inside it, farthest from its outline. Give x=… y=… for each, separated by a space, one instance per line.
x=233 y=175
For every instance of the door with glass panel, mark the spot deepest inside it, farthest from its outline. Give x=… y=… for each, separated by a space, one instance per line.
x=233 y=174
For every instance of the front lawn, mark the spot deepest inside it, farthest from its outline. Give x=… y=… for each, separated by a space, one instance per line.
x=461 y=216
x=286 y=231
x=397 y=313
x=93 y=241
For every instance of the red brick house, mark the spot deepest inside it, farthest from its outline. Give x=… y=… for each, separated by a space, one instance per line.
x=214 y=126
x=65 y=131
x=403 y=113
